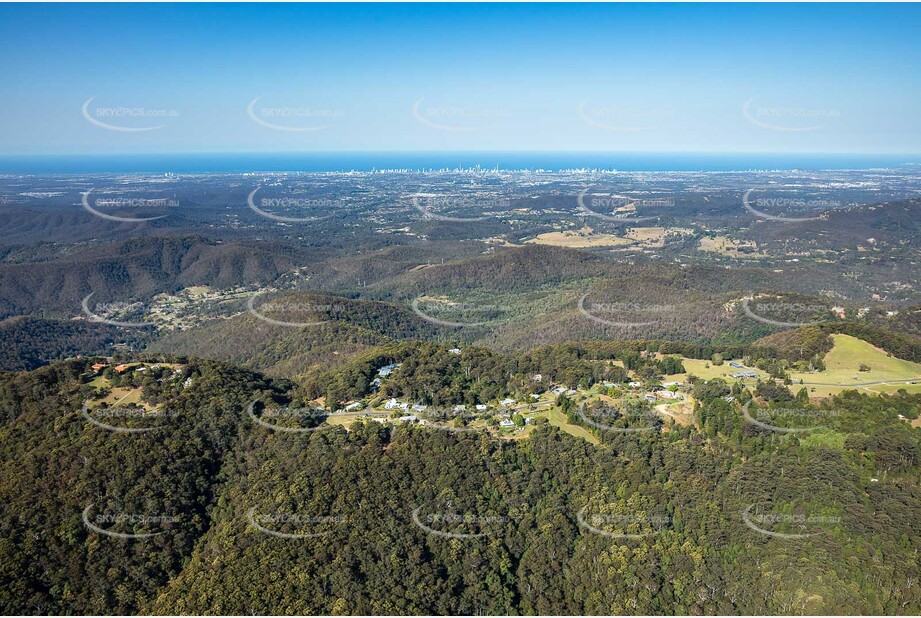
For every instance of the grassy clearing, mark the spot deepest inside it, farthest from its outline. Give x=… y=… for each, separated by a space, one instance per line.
x=700 y=368
x=584 y=238
x=558 y=419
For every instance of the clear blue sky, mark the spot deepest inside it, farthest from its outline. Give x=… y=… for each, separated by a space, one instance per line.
x=540 y=77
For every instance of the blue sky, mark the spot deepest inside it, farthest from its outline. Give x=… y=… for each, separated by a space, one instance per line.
x=835 y=78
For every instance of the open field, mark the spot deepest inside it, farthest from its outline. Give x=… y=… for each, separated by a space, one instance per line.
x=729 y=247
x=706 y=370
x=887 y=374
x=558 y=419
x=584 y=238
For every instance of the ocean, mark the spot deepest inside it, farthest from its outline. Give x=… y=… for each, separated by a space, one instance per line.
x=368 y=161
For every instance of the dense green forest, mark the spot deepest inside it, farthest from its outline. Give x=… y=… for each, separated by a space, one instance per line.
x=381 y=520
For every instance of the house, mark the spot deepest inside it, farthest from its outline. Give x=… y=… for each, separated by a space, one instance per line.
x=559 y=390
x=97 y=367
x=386 y=370
x=535 y=396
x=411 y=418
x=669 y=384
x=729 y=398
x=506 y=423
x=454 y=351
x=480 y=407
x=419 y=407
x=634 y=384
x=649 y=397
x=507 y=402
x=460 y=407
x=121 y=368
x=537 y=377
x=736 y=365
x=187 y=383
x=353 y=406
x=742 y=375
x=664 y=394
x=393 y=404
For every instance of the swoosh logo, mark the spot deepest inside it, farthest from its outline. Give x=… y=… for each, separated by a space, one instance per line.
x=581 y=413
x=112 y=127
x=748 y=522
x=580 y=517
x=746 y=111
x=750 y=419
x=581 y=202
x=447 y=535
x=250 y=110
x=85 y=200
x=764 y=215
x=602 y=125
x=96 y=318
x=252 y=205
x=251 y=516
x=428 y=214
x=442 y=127
x=117 y=535
x=250 y=305
x=747 y=311
x=86 y=414
x=272 y=426
x=585 y=312
x=429 y=318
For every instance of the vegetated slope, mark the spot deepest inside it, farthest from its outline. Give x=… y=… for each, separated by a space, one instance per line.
x=137 y=269
x=809 y=341
x=339 y=329
x=27 y=343
x=329 y=522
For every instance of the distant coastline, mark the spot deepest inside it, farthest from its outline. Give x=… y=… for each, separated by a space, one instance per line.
x=422 y=161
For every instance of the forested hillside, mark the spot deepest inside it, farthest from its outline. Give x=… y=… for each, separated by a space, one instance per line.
x=719 y=518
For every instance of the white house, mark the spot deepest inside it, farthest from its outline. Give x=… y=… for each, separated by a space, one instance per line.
x=393 y=404
x=506 y=423
x=480 y=407
x=507 y=402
